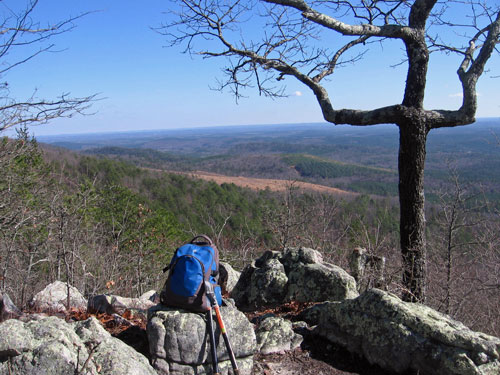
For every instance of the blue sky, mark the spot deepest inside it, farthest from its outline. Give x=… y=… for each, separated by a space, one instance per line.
x=115 y=53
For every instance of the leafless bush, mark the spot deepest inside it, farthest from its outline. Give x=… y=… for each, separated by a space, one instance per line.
x=463 y=258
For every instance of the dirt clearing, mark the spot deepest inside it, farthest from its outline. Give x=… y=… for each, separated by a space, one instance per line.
x=266 y=183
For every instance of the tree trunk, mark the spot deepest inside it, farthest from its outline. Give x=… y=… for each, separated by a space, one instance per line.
x=413 y=135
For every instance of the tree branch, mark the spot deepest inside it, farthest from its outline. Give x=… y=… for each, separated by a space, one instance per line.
x=23 y=32
x=471 y=68
x=286 y=50
x=18 y=32
x=333 y=62
x=388 y=31
x=39 y=112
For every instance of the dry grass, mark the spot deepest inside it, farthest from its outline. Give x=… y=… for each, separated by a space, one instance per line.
x=265 y=183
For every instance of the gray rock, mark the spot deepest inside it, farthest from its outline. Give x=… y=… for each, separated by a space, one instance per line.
x=401 y=336
x=111 y=304
x=320 y=282
x=312 y=314
x=7 y=308
x=54 y=298
x=269 y=284
x=291 y=256
x=241 y=290
x=276 y=334
x=49 y=345
x=228 y=277
x=296 y=274
x=151 y=295
x=179 y=341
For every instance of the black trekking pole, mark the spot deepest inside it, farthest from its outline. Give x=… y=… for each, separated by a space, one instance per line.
x=215 y=306
x=213 y=345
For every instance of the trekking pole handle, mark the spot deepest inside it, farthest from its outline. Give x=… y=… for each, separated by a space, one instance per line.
x=209 y=290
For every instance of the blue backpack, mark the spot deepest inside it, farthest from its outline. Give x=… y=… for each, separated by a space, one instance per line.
x=191 y=266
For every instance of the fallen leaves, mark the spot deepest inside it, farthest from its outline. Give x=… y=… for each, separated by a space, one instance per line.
x=113 y=323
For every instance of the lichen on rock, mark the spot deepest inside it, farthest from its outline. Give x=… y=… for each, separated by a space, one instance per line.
x=296 y=274
x=275 y=334
x=179 y=341
x=49 y=345
x=401 y=336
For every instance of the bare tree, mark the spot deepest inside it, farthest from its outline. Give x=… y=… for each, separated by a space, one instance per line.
x=488 y=278
x=294 y=41
x=23 y=187
x=458 y=218
x=322 y=229
x=215 y=219
x=25 y=39
x=288 y=219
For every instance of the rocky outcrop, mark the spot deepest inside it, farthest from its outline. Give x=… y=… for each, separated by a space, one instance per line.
x=179 y=341
x=401 y=336
x=296 y=274
x=7 y=308
x=54 y=298
x=275 y=334
x=111 y=304
x=49 y=345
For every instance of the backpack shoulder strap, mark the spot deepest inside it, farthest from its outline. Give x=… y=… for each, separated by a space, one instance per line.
x=171 y=261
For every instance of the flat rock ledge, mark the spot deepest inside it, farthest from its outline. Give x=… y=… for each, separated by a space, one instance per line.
x=179 y=341
x=401 y=336
x=49 y=345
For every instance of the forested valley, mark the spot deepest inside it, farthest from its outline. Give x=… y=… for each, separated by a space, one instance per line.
x=108 y=219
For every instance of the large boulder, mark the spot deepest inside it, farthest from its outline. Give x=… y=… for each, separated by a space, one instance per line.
x=179 y=341
x=54 y=298
x=49 y=345
x=111 y=304
x=262 y=283
x=401 y=336
x=296 y=274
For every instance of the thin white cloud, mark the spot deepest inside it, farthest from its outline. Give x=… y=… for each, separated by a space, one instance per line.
x=297 y=93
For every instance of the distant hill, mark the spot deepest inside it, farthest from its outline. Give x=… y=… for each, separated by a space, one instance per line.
x=360 y=159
